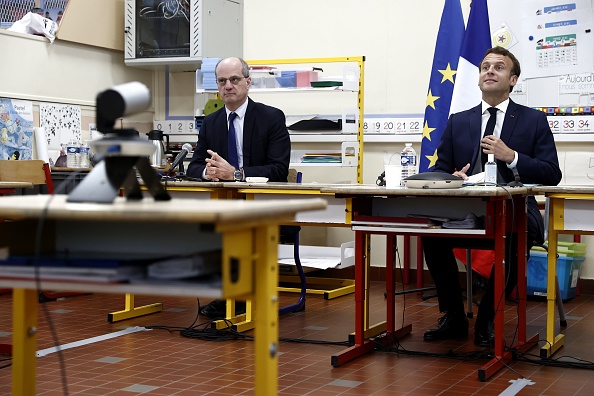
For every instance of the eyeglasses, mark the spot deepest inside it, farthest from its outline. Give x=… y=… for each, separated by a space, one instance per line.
x=234 y=80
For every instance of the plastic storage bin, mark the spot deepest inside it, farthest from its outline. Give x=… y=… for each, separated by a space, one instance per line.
x=305 y=77
x=287 y=79
x=264 y=77
x=568 y=273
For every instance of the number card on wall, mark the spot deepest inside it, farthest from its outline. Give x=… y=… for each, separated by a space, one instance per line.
x=175 y=127
x=392 y=125
x=572 y=124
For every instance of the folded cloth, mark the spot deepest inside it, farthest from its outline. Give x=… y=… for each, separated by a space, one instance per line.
x=33 y=23
x=469 y=222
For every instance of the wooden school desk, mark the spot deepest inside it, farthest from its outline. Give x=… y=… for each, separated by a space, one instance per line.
x=377 y=210
x=10 y=187
x=571 y=211
x=333 y=215
x=202 y=190
x=247 y=233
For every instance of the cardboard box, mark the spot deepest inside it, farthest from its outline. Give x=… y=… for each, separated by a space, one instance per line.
x=568 y=273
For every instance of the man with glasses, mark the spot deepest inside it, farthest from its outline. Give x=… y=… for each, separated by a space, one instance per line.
x=244 y=139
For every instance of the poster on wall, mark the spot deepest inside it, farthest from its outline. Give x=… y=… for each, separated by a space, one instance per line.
x=16 y=129
x=62 y=123
x=557 y=37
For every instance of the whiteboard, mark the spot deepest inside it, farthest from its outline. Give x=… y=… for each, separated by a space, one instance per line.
x=542 y=91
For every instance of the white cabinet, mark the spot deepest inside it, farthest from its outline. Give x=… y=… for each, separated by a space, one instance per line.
x=179 y=34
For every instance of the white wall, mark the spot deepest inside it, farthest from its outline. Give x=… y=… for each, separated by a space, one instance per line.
x=63 y=72
x=397 y=37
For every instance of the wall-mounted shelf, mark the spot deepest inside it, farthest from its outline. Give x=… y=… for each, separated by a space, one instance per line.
x=392 y=138
x=322 y=137
x=345 y=157
x=277 y=90
x=352 y=78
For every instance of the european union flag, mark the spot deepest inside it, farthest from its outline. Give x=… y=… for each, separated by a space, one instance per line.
x=441 y=84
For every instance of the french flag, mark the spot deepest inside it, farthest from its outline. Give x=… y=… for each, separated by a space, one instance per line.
x=477 y=40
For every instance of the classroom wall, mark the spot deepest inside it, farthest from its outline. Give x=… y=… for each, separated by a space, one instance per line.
x=65 y=72
x=397 y=37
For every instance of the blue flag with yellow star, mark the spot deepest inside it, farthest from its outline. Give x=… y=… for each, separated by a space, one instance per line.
x=441 y=83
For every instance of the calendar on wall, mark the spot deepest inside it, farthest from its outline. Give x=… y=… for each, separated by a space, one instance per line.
x=557 y=51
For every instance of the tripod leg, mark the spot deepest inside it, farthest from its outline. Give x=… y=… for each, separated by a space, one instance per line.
x=103 y=183
x=151 y=180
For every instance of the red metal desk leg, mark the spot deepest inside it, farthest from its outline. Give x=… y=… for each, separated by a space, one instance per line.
x=360 y=347
x=405 y=261
x=501 y=356
x=391 y=290
x=6 y=348
x=390 y=281
x=420 y=255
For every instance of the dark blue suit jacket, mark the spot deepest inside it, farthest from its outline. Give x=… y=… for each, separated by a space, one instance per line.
x=266 y=142
x=524 y=130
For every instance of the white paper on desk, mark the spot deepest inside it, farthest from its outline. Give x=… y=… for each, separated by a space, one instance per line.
x=318 y=263
x=475 y=179
x=319 y=257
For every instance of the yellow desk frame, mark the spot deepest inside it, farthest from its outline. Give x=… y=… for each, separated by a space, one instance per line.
x=248 y=234
x=130 y=310
x=328 y=287
x=571 y=211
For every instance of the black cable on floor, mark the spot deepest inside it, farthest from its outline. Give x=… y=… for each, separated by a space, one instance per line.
x=205 y=331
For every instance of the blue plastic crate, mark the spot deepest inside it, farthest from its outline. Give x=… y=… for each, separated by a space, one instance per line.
x=568 y=272
x=287 y=79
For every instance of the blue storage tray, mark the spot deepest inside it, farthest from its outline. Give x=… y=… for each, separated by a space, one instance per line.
x=568 y=272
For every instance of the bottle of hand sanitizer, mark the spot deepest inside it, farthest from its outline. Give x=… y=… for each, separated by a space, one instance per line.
x=491 y=170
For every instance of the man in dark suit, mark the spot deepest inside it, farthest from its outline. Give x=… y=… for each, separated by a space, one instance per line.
x=262 y=143
x=243 y=139
x=522 y=142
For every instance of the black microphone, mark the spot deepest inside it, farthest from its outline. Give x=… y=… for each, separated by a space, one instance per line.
x=186 y=148
x=517 y=182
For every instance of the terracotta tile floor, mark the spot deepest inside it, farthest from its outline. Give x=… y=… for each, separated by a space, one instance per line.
x=159 y=362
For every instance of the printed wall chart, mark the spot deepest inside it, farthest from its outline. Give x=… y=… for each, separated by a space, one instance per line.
x=16 y=129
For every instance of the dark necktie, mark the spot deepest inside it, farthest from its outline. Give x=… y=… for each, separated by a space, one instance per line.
x=232 y=157
x=489 y=130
